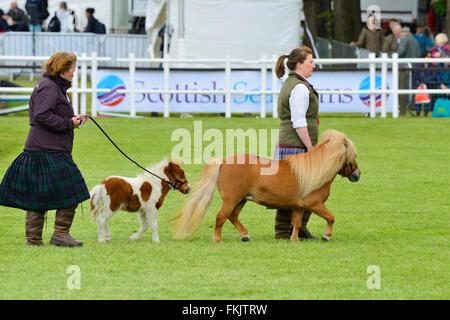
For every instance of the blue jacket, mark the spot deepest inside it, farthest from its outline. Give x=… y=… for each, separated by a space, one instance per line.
x=425 y=43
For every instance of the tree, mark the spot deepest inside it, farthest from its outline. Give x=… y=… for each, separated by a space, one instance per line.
x=347 y=20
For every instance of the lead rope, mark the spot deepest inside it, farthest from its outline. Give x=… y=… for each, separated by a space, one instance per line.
x=115 y=145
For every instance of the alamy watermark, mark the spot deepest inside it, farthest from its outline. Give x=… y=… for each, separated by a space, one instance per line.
x=74 y=280
x=373 y=17
x=374 y=280
x=204 y=145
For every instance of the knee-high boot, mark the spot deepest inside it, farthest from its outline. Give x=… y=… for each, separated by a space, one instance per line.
x=63 y=222
x=283 y=224
x=34 y=223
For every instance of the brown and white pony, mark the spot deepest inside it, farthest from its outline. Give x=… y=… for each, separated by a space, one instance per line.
x=301 y=182
x=144 y=194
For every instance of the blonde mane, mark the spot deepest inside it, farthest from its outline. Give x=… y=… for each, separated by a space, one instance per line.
x=320 y=165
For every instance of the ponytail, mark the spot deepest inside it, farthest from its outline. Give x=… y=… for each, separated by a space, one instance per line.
x=296 y=55
x=279 y=67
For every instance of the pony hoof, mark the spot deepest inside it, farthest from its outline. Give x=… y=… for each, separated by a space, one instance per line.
x=245 y=238
x=325 y=238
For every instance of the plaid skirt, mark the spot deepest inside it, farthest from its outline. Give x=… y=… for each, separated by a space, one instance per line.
x=281 y=152
x=40 y=181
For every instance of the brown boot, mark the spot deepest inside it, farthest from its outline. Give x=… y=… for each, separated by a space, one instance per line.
x=283 y=224
x=303 y=233
x=34 y=223
x=63 y=222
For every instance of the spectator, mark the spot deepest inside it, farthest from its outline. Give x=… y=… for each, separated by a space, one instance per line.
x=3 y=24
x=391 y=42
x=391 y=22
x=424 y=78
x=93 y=25
x=65 y=18
x=441 y=48
x=34 y=10
x=16 y=18
x=371 y=36
x=408 y=47
x=425 y=43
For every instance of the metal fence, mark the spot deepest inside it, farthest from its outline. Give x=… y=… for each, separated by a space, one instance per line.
x=46 y=43
x=328 y=49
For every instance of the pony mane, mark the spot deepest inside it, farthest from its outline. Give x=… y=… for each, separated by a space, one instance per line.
x=320 y=165
x=156 y=169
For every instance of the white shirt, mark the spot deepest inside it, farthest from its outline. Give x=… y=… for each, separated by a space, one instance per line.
x=299 y=103
x=66 y=20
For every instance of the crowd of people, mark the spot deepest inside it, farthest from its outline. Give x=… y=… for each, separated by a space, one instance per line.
x=36 y=17
x=421 y=44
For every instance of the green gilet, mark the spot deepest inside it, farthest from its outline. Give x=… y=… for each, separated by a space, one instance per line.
x=288 y=136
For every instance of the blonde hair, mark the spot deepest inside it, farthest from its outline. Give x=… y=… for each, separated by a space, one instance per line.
x=441 y=39
x=297 y=55
x=59 y=63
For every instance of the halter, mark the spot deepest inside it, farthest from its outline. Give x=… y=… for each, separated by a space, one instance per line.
x=352 y=168
x=177 y=181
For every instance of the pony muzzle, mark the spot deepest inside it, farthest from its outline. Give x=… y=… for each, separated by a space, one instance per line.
x=354 y=176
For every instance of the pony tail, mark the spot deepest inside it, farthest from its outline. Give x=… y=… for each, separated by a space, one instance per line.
x=192 y=215
x=279 y=67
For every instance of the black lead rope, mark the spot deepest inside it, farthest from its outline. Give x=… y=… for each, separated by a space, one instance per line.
x=115 y=145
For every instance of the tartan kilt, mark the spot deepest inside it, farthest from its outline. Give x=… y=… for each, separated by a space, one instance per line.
x=281 y=152
x=40 y=181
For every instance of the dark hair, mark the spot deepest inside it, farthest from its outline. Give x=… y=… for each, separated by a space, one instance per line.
x=63 y=5
x=90 y=10
x=297 y=55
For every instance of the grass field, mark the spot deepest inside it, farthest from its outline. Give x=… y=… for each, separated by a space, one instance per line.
x=396 y=217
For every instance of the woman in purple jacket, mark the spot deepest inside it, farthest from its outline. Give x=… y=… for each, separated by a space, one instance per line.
x=44 y=176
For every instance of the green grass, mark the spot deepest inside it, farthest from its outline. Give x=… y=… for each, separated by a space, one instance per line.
x=395 y=217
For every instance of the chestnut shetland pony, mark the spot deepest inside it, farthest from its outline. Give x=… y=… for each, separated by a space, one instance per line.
x=301 y=182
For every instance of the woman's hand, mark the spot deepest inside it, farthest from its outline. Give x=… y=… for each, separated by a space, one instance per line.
x=77 y=120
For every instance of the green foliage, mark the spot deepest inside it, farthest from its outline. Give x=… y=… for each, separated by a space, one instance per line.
x=440 y=6
x=396 y=217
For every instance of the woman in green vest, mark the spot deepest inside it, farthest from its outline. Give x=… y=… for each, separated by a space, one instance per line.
x=298 y=107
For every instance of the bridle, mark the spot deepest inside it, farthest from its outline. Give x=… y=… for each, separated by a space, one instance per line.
x=352 y=168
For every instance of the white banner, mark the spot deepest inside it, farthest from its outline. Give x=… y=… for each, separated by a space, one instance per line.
x=206 y=80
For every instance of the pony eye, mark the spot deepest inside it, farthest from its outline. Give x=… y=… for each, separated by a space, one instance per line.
x=181 y=176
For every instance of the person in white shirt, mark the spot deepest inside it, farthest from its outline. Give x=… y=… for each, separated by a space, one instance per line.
x=65 y=18
x=298 y=107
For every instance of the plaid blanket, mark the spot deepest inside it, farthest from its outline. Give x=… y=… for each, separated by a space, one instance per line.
x=40 y=181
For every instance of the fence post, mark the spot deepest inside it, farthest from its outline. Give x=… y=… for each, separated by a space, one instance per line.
x=228 y=87
x=274 y=88
x=263 y=87
x=372 y=71
x=83 y=82
x=75 y=91
x=166 y=68
x=383 y=84
x=395 y=85
x=132 y=85
x=94 y=84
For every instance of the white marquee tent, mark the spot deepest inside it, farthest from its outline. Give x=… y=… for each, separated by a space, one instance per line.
x=244 y=29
